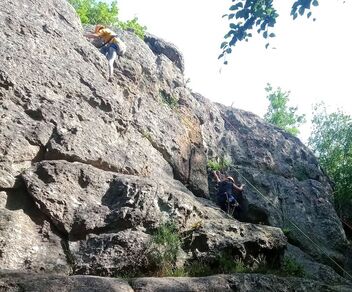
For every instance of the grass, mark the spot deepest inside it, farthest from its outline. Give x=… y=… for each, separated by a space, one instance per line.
x=291 y=268
x=168 y=99
x=218 y=164
x=164 y=247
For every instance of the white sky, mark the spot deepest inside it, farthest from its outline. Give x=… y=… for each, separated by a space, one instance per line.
x=313 y=60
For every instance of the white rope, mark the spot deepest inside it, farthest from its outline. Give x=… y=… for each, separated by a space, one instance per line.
x=294 y=225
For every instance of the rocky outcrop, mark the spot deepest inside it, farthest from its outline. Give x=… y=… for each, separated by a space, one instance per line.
x=313 y=269
x=285 y=186
x=24 y=282
x=107 y=218
x=236 y=282
x=27 y=239
x=90 y=169
x=161 y=47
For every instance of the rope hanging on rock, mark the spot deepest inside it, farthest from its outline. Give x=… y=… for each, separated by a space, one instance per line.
x=290 y=221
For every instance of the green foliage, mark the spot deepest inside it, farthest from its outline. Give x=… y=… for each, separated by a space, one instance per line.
x=279 y=113
x=331 y=141
x=94 y=12
x=100 y=12
x=227 y=265
x=147 y=135
x=164 y=248
x=218 y=164
x=291 y=268
x=198 y=269
x=223 y=264
x=134 y=26
x=171 y=101
x=286 y=231
x=260 y=15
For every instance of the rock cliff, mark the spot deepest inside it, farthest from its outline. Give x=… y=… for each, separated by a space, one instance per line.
x=90 y=169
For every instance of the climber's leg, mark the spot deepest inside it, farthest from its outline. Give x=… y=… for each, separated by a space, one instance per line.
x=111 y=56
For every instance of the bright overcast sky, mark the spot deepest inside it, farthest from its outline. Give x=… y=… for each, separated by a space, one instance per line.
x=313 y=60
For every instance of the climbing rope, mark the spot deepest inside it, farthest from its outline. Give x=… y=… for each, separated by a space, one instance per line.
x=347 y=224
x=290 y=221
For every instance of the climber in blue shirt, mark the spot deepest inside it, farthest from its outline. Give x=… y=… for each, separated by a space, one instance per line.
x=227 y=194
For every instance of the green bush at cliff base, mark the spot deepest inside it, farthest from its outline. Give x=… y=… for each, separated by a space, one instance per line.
x=291 y=268
x=164 y=247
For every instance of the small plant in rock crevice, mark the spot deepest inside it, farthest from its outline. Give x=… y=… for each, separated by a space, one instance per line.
x=168 y=99
x=218 y=164
x=164 y=248
x=290 y=267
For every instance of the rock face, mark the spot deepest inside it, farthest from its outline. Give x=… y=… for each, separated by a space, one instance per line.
x=107 y=218
x=89 y=169
x=284 y=184
x=24 y=282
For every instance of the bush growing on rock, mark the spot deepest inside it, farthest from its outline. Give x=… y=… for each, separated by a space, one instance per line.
x=292 y=268
x=168 y=99
x=218 y=164
x=134 y=26
x=164 y=248
x=94 y=12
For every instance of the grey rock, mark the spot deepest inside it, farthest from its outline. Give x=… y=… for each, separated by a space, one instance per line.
x=235 y=282
x=106 y=163
x=87 y=119
x=27 y=240
x=159 y=46
x=251 y=282
x=315 y=270
x=12 y=281
x=213 y=283
x=113 y=254
x=109 y=217
x=285 y=186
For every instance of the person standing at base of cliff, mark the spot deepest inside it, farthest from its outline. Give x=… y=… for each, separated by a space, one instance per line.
x=112 y=47
x=228 y=192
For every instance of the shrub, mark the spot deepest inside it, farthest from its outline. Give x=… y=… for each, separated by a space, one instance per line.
x=94 y=12
x=171 y=101
x=198 y=269
x=133 y=25
x=164 y=248
x=224 y=263
x=101 y=12
x=292 y=268
x=227 y=264
x=218 y=164
x=286 y=231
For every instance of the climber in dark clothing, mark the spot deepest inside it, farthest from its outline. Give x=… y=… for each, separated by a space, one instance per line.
x=228 y=192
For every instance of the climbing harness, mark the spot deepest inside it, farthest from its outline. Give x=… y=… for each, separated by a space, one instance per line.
x=108 y=41
x=231 y=207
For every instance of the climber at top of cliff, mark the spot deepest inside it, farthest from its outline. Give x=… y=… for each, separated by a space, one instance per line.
x=228 y=192
x=112 y=47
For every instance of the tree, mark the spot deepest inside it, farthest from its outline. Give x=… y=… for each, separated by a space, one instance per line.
x=279 y=113
x=260 y=15
x=133 y=25
x=94 y=12
x=331 y=141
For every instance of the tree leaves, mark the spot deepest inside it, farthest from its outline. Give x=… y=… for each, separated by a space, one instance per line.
x=94 y=12
x=279 y=113
x=331 y=141
x=258 y=15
